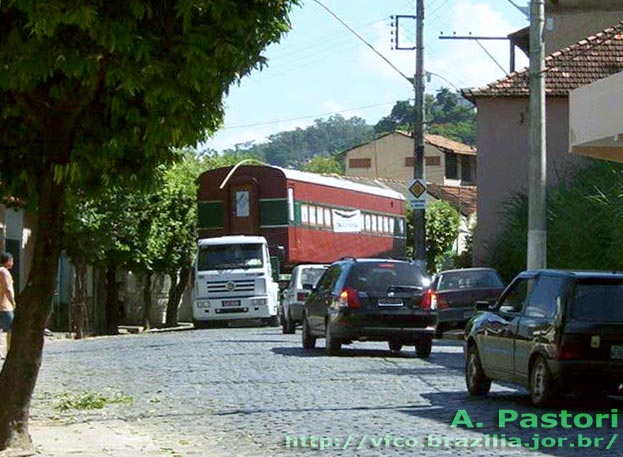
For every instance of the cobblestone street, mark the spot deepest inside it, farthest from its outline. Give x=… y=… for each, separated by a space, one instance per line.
x=255 y=392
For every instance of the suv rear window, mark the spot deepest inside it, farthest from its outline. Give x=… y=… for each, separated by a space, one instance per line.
x=600 y=301
x=378 y=276
x=470 y=280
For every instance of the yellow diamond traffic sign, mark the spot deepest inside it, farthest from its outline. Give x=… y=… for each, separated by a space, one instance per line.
x=417 y=188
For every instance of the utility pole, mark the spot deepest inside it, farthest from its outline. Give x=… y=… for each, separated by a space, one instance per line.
x=417 y=187
x=419 y=213
x=537 y=173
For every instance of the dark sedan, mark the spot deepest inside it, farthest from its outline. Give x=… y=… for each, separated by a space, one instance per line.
x=553 y=332
x=456 y=292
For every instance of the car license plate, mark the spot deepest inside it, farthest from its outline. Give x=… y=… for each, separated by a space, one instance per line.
x=231 y=302
x=616 y=352
x=390 y=302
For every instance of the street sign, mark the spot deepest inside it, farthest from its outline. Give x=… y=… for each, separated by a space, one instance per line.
x=417 y=194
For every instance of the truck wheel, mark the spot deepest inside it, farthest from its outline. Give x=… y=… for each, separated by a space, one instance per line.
x=332 y=344
x=308 y=340
x=287 y=326
x=423 y=346
x=477 y=382
x=542 y=388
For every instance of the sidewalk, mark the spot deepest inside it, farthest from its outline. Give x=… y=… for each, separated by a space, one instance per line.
x=94 y=439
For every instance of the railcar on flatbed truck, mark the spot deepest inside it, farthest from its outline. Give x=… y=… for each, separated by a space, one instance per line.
x=304 y=218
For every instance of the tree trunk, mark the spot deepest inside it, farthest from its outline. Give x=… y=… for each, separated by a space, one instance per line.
x=78 y=311
x=21 y=367
x=147 y=300
x=178 y=285
x=113 y=308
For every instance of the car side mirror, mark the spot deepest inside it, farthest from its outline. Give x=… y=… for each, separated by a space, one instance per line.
x=483 y=305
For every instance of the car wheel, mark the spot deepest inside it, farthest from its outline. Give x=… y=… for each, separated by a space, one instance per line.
x=542 y=389
x=394 y=346
x=287 y=327
x=477 y=382
x=423 y=346
x=308 y=340
x=332 y=344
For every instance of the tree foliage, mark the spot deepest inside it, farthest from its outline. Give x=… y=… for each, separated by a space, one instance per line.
x=324 y=165
x=442 y=229
x=446 y=114
x=584 y=224
x=97 y=93
x=296 y=147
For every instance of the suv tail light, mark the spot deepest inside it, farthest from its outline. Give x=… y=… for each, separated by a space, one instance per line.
x=571 y=348
x=429 y=300
x=349 y=298
x=301 y=296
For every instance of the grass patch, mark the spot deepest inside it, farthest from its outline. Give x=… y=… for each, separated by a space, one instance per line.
x=89 y=401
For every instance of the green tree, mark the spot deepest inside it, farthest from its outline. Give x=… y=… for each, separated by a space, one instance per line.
x=442 y=229
x=173 y=238
x=446 y=114
x=91 y=92
x=584 y=224
x=324 y=165
x=294 y=148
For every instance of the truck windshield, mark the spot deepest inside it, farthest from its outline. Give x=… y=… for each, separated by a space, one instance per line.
x=600 y=301
x=227 y=256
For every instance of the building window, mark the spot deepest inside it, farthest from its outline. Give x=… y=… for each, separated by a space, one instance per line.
x=359 y=163
x=304 y=214
x=466 y=169
x=451 y=166
x=290 y=204
x=433 y=161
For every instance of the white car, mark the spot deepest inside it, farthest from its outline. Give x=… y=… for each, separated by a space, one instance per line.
x=303 y=280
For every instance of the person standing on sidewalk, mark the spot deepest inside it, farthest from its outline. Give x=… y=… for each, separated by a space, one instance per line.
x=7 y=296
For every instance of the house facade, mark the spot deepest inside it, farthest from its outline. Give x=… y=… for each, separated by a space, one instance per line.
x=502 y=127
x=446 y=162
x=16 y=237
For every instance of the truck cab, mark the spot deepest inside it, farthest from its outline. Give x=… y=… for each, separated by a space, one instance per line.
x=234 y=280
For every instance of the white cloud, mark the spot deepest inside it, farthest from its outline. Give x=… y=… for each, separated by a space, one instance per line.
x=463 y=63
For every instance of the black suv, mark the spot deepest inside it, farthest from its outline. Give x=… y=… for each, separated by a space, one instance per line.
x=554 y=332
x=370 y=300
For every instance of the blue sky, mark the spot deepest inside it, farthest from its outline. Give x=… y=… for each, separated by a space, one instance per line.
x=320 y=68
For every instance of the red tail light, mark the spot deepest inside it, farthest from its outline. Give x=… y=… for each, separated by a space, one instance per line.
x=349 y=298
x=429 y=300
x=570 y=349
x=301 y=296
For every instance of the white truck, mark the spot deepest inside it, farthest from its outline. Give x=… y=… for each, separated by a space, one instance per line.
x=234 y=280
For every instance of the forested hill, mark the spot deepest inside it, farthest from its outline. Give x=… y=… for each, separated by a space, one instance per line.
x=296 y=147
x=316 y=147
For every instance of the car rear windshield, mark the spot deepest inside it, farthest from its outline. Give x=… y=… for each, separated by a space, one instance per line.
x=469 y=280
x=311 y=275
x=378 y=277
x=600 y=301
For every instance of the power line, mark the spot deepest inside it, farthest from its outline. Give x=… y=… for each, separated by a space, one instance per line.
x=315 y=116
x=362 y=39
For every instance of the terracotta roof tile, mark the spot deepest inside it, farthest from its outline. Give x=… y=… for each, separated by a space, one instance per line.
x=582 y=63
x=462 y=198
x=445 y=144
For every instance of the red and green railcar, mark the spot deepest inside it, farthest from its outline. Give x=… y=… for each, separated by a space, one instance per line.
x=316 y=218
